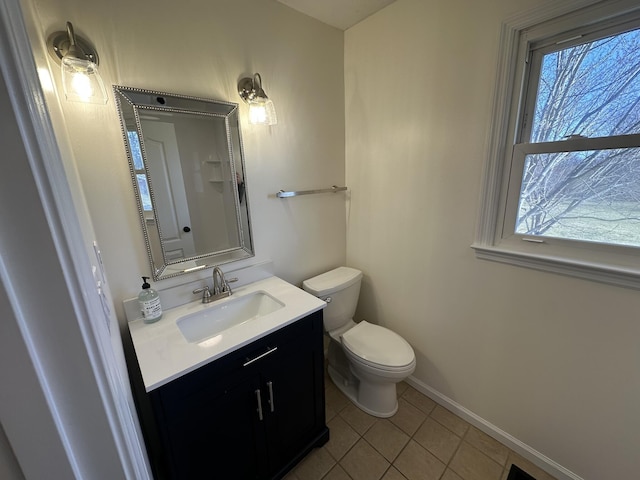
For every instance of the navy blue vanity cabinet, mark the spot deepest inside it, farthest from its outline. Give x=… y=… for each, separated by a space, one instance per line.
x=252 y=414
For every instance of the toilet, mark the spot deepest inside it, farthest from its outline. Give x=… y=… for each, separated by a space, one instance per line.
x=365 y=360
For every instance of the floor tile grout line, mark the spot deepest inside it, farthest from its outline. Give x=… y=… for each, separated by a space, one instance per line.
x=362 y=437
x=410 y=436
x=427 y=415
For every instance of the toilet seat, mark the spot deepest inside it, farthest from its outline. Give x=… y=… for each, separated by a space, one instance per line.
x=378 y=347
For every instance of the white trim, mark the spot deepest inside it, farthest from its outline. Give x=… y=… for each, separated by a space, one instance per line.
x=10 y=21
x=503 y=437
x=48 y=173
x=597 y=272
x=494 y=185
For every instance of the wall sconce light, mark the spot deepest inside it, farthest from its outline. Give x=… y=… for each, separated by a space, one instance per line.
x=261 y=108
x=79 y=65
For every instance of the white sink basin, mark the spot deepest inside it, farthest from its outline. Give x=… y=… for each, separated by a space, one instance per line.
x=211 y=321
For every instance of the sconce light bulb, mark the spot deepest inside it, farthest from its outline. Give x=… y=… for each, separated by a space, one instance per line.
x=262 y=112
x=257 y=114
x=81 y=85
x=82 y=81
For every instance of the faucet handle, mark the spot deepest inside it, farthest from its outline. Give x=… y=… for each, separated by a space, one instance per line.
x=226 y=287
x=206 y=293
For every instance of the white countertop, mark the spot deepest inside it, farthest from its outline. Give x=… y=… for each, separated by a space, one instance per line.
x=164 y=354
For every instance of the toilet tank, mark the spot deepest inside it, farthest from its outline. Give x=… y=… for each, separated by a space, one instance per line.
x=340 y=288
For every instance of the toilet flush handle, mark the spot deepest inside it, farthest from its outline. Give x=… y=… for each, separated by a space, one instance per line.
x=328 y=299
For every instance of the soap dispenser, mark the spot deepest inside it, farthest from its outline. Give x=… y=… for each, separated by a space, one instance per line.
x=149 y=302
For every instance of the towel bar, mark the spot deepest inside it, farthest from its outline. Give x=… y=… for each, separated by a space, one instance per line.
x=334 y=189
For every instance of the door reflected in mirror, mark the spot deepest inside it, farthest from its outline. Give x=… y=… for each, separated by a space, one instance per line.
x=187 y=166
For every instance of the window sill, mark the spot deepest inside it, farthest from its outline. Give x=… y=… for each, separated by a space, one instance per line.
x=579 y=268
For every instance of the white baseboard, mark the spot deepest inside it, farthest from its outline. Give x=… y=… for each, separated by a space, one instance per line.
x=535 y=457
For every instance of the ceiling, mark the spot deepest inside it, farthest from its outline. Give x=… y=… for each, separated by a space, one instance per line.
x=341 y=14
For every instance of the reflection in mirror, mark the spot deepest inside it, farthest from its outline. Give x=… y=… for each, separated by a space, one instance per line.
x=187 y=166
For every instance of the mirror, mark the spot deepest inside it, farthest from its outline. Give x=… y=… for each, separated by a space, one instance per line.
x=187 y=166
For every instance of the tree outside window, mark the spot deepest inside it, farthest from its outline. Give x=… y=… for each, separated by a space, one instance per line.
x=587 y=91
x=141 y=175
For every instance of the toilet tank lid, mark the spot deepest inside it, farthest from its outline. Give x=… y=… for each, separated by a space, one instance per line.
x=331 y=281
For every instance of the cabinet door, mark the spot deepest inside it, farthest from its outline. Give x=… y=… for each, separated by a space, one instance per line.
x=249 y=415
x=216 y=433
x=293 y=383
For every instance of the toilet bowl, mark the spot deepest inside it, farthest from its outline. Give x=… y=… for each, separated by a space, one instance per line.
x=365 y=361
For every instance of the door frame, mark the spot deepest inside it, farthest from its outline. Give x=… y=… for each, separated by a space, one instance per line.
x=65 y=381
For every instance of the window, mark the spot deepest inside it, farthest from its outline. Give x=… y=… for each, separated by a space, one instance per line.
x=577 y=177
x=141 y=174
x=562 y=187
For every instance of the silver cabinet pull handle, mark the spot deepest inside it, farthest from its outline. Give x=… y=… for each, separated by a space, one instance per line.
x=259 y=398
x=270 y=385
x=250 y=361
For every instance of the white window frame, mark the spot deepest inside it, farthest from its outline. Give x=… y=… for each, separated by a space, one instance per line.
x=604 y=263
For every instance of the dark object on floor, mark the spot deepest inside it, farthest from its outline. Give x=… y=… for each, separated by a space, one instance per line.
x=518 y=474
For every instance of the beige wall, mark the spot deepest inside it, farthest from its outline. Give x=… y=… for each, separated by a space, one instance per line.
x=203 y=48
x=551 y=360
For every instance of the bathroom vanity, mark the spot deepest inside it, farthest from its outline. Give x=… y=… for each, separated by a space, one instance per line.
x=244 y=403
x=232 y=389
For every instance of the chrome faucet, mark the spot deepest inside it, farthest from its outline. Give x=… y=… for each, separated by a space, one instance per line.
x=218 y=281
x=221 y=287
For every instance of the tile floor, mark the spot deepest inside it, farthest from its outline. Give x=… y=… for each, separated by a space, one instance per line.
x=423 y=441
